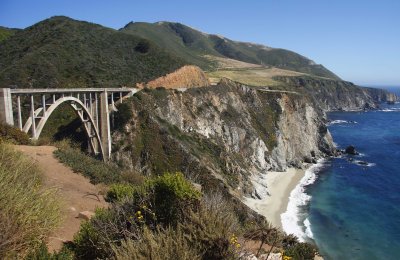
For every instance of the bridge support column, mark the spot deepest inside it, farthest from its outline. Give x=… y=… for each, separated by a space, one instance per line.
x=105 y=134
x=6 y=113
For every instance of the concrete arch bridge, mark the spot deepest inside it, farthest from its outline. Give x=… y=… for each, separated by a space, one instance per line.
x=92 y=105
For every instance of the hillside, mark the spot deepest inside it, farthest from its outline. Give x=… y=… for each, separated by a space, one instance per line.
x=197 y=47
x=5 y=33
x=62 y=52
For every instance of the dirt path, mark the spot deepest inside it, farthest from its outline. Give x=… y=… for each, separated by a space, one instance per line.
x=73 y=190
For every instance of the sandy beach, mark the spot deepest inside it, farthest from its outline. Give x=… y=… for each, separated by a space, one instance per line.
x=280 y=185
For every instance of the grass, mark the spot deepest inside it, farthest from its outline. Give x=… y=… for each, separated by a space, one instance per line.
x=258 y=77
x=28 y=211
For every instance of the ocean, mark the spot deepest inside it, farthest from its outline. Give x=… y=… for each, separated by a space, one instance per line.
x=350 y=206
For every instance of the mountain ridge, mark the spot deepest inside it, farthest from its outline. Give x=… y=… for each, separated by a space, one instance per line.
x=63 y=52
x=191 y=44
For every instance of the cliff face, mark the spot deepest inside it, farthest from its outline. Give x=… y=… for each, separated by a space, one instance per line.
x=381 y=95
x=228 y=135
x=333 y=95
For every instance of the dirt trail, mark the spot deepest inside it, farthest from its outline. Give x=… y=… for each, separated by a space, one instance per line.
x=73 y=189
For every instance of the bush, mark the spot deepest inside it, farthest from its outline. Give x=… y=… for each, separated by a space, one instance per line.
x=173 y=195
x=202 y=234
x=96 y=236
x=159 y=201
x=118 y=192
x=301 y=251
x=28 y=212
x=97 y=171
x=13 y=135
x=42 y=253
x=212 y=232
x=168 y=244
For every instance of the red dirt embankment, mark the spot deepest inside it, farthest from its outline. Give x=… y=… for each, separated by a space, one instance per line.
x=185 y=77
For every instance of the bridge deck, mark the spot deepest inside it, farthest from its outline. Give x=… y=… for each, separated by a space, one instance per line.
x=69 y=90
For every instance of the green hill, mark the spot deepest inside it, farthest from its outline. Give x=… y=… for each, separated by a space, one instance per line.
x=5 y=32
x=62 y=52
x=192 y=46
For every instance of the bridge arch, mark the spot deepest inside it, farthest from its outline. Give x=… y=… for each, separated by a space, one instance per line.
x=84 y=115
x=92 y=105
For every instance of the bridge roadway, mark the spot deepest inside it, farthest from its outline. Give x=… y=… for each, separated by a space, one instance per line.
x=92 y=105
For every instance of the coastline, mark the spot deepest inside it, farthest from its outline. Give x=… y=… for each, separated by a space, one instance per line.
x=280 y=186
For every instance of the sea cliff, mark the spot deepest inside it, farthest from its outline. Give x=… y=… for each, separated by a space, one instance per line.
x=333 y=95
x=229 y=135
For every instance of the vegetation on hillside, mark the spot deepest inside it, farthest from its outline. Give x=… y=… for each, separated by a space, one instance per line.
x=13 y=135
x=28 y=212
x=95 y=170
x=260 y=77
x=166 y=217
x=194 y=46
x=65 y=53
x=5 y=33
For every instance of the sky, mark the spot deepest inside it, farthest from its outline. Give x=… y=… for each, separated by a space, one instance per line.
x=359 y=40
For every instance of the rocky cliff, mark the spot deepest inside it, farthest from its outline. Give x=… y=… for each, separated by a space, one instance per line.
x=333 y=95
x=330 y=94
x=381 y=95
x=227 y=135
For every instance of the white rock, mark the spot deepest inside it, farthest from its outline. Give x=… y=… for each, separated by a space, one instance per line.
x=86 y=215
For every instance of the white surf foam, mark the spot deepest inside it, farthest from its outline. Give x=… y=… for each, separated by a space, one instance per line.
x=364 y=164
x=308 y=231
x=394 y=109
x=334 y=122
x=292 y=217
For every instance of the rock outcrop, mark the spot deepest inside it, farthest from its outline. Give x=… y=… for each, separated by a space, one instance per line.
x=228 y=135
x=333 y=95
x=381 y=95
x=351 y=150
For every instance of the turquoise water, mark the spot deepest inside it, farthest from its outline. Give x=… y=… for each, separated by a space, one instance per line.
x=354 y=210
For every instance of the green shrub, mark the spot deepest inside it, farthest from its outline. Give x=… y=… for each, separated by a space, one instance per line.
x=28 y=212
x=159 y=201
x=172 y=196
x=13 y=135
x=205 y=234
x=42 y=253
x=96 y=236
x=118 y=192
x=168 y=244
x=212 y=229
x=97 y=171
x=301 y=251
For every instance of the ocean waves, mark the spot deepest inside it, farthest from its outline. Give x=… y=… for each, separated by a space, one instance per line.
x=394 y=109
x=294 y=220
x=334 y=122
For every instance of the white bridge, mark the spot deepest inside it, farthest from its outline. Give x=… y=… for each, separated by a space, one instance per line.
x=92 y=105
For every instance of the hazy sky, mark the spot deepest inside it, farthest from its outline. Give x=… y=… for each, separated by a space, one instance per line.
x=357 y=39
